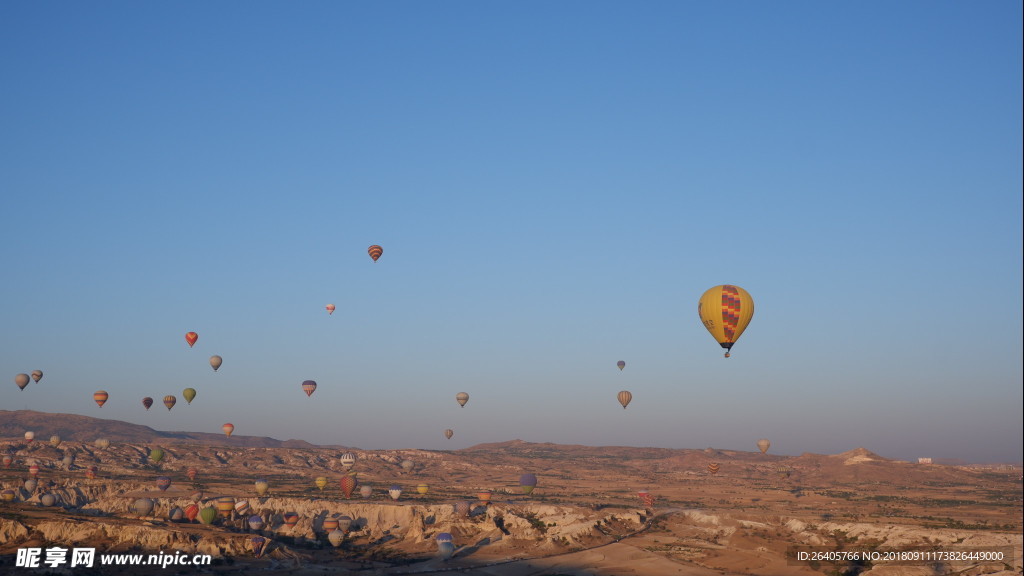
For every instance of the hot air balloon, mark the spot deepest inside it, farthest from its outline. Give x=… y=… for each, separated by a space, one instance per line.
x=395 y=492
x=647 y=498
x=156 y=455
x=348 y=459
x=625 y=397
x=462 y=398
x=55 y=440
x=375 y=252
x=21 y=380
x=189 y=394
x=7 y=460
x=191 y=473
x=176 y=514
x=207 y=515
x=225 y=506
x=365 y=490
x=215 y=362
x=330 y=525
x=48 y=499
x=30 y=485
x=484 y=496
x=261 y=487
x=191 y=511
x=102 y=443
x=330 y=309
x=163 y=483
x=321 y=482
x=170 y=401
x=309 y=387
x=621 y=364
x=258 y=544
x=422 y=488
x=449 y=433
x=191 y=338
x=336 y=538
x=142 y=506
x=344 y=523
x=68 y=460
x=255 y=522
x=726 y=311
x=100 y=396
x=463 y=508
x=445 y=546
x=228 y=429
x=37 y=375
x=90 y=472
x=30 y=436
x=528 y=482
x=763 y=445
x=713 y=468
x=147 y=402
x=7 y=495
x=290 y=519
x=241 y=507
x=33 y=470
x=348 y=484
x=407 y=465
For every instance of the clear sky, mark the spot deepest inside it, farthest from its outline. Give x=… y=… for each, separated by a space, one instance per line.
x=554 y=184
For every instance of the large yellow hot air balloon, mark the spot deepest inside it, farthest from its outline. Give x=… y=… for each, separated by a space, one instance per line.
x=725 y=311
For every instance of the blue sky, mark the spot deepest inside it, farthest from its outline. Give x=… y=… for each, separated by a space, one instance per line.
x=554 y=186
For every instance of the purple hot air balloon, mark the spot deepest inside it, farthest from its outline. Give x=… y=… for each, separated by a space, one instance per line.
x=258 y=543
x=528 y=482
x=255 y=522
x=163 y=483
x=309 y=387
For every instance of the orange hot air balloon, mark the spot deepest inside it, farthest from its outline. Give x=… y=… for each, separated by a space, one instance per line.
x=228 y=428
x=100 y=396
x=191 y=338
x=625 y=398
x=375 y=252
x=348 y=484
x=330 y=309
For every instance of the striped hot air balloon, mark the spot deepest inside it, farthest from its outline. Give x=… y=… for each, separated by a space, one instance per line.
x=100 y=397
x=726 y=311
x=713 y=468
x=348 y=484
x=191 y=511
x=191 y=473
x=309 y=387
x=621 y=364
x=170 y=401
x=290 y=519
x=163 y=483
x=375 y=252
x=625 y=397
x=228 y=429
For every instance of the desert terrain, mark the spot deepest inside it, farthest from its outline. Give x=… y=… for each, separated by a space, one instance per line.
x=584 y=516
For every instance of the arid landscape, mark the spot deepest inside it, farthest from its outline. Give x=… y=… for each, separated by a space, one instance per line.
x=583 y=517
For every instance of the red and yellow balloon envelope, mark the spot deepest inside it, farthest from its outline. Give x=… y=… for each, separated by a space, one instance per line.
x=191 y=338
x=100 y=396
x=348 y=484
x=375 y=252
x=228 y=429
x=309 y=387
x=726 y=311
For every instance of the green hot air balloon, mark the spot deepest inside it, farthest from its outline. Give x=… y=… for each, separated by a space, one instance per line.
x=156 y=455
x=208 y=515
x=189 y=394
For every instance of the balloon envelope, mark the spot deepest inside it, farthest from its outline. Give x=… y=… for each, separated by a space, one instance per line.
x=462 y=398
x=763 y=445
x=30 y=436
x=348 y=459
x=37 y=375
x=215 y=362
x=191 y=511
x=621 y=364
x=449 y=433
x=143 y=506
x=21 y=380
x=348 y=484
x=100 y=396
x=528 y=482
x=330 y=309
x=255 y=522
x=163 y=483
x=147 y=402
x=309 y=387
x=262 y=486
x=625 y=397
x=170 y=401
x=208 y=515
x=321 y=482
x=189 y=394
x=228 y=428
x=191 y=338
x=156 y=455
x=726 y=311
x=375 y=252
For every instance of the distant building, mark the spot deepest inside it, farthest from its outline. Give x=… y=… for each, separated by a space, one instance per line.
x=924 y=460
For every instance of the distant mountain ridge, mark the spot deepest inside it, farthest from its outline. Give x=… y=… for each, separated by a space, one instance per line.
x=78 y=428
